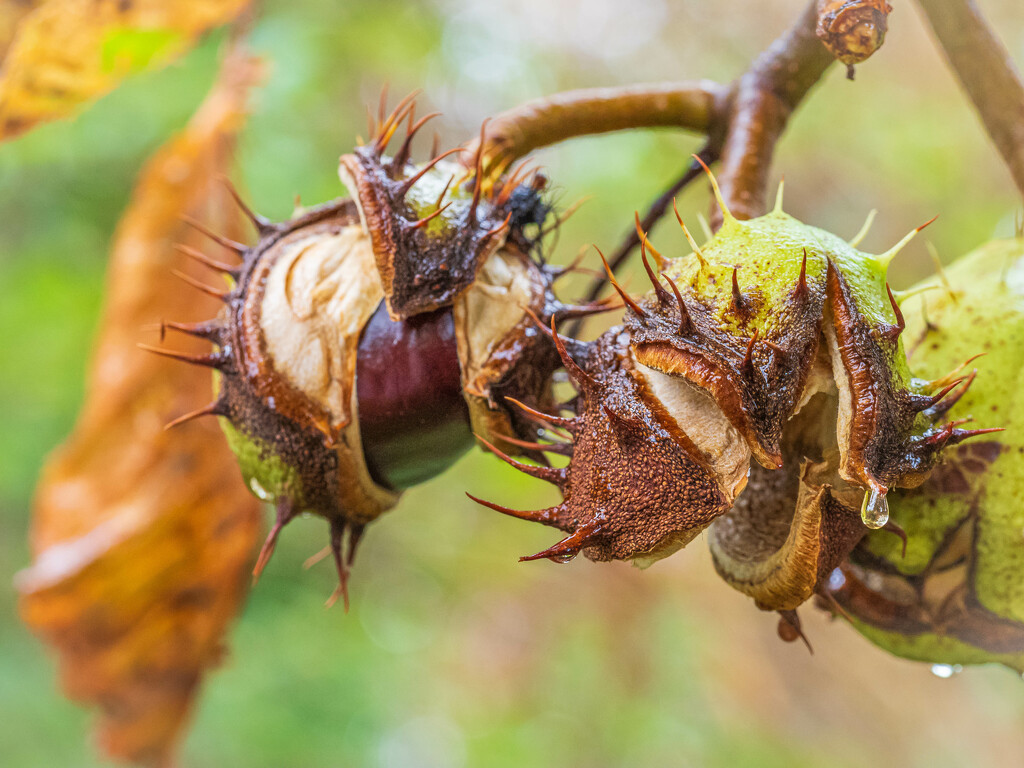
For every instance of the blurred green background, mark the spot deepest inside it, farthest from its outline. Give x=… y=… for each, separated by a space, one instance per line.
x=455 y=654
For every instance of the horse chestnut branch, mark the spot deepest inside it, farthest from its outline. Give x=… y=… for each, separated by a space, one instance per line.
x=760 y=392
x=364 y=341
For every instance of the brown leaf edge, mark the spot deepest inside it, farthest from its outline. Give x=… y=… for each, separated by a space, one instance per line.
x=143 y=538
x=61 y=54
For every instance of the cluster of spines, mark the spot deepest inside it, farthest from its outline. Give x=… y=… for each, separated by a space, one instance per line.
x=223 y=360
x=582 y=535
x=213 y=331
x=484 y=183
x=676 y=303
x=932 y=406
x=951 y=387
x=590 y=531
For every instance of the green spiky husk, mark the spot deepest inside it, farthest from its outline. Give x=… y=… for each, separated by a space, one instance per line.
x=979 y=485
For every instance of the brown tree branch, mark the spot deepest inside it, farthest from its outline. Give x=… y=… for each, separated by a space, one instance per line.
x=763 y=99
x=742 y=123
x=987 y=74
x=549 y=120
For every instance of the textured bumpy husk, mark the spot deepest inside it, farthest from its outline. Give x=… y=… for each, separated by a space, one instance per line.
x=634 y=456
x=761 y=298
x=797 y=339
x=289 y=339
x=957 y=596
x=308 y=291
x=431 y=227
x=498 y=340
x=636 y=487
x=443 y=235
x=777 y=342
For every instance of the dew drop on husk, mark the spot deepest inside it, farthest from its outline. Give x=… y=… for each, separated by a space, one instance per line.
x=259 y=491
x=946 y=671
x=875 y=509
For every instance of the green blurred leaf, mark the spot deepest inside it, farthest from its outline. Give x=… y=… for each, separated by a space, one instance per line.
x=128 y=51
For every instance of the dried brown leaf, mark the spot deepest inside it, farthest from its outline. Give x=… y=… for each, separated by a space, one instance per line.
x=11 y=14
x=143 y=538
x=64 y=53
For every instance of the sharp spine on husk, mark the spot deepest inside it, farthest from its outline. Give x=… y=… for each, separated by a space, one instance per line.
x=569 y=425
x=228 y=243
x=201 y=286
x=262 y=223
x=285 y=514
x=216 y=360
x=548 y=516
x=685 y=321
x=206 y=261
x=571 y=545
x=618 y=288
x=216 y=408
x=553 y=475
x=689 y=238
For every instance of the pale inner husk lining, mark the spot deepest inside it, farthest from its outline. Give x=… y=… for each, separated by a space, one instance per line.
x=318 y=297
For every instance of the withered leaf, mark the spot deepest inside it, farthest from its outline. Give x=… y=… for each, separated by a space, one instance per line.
x=67 y=52
x=11 y=14
x=143 y=538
